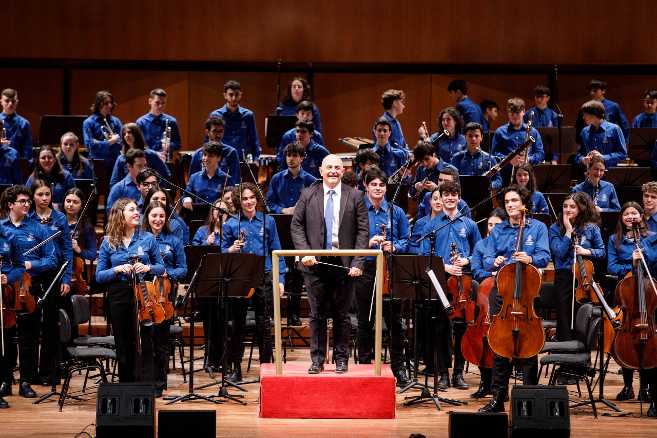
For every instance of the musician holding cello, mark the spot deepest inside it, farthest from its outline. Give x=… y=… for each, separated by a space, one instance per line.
x=516 y=248
x=124 y=241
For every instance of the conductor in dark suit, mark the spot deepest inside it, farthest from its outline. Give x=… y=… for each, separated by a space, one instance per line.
x=330 y=215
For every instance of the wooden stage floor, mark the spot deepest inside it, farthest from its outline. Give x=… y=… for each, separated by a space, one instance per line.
x=27 y=420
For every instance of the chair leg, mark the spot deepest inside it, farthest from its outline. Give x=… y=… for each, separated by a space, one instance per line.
x=86 y=377
x=65 y=386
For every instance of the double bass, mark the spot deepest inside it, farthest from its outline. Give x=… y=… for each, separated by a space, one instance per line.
x=516 y=331
x=474 y=345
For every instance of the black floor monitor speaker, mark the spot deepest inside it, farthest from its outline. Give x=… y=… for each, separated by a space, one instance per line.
x=125 y=409
x=540 y=411
x=467 y=424
x=177 y=424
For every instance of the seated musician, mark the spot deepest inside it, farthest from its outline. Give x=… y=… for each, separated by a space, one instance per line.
x=450 y=120
x=102 y=129
x=314 y=153
x=245 y=234
x=48 y=169
x=490 y=111
x=600 y=137
x=230 y=161
x=393 y=102
x=390 y=237
x=472 y=160
x=126 y=252
x=649 y=191
x=501 y=250
x=613 y=112
x=390 y=158
x=12 y=271
x=241 y=132
x=648 y=118
x=426 y=175
x=452 y=228
x=578 y=217
x=127 y=187
x=446 y=174
x=365 y=158
x=304 y=113
x=83 y=242
x=298 y=91
x=601 y=192
x=479 y=274
x=155 y=123
x=540 y=114
x=285 y=186
x=134 y=139
x=70 y=158
x=155 y=338
x=435 y=209
x=524 y=177
x=39 y=264
x=208 y=182
x=17 y=129
x=10 y=171
x=470 y=111
x=155 y=193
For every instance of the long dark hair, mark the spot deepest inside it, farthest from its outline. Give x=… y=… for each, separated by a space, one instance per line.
x=454 y=114
x=145 y=225
x=306 y=91
x=621 y=229
x=76 y=163
x=135 y=130
x=531 y=184
x=586 y=212
x=57 y=172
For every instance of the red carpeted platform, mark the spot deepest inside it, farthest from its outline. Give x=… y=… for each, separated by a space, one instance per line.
x=297 y=394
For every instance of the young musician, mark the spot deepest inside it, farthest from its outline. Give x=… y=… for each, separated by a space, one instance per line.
x=446 y=174
x=524 y=176
x=134 y=139
x=613 y=111
x=601 y=192
x=126 y=252
x=285 y=186
x=648 y=118
x=423 y=222
x=10 y=171
x=501 y=250
x=39 y=264
x=490 y=112
x=127 y=187
x=541 y=115
x=298 y=91
x=389 y=233
x=649 y=191
x=177 y=225
x=449 y=120
x=102 y=130
x=83 y=243
x=70 y=158
x=426 y=176
x=229 y=162
x=470 y=111
x=17 y=129
x=211 y=231
x=600 y=137
x=251 y=232
x=578 y=217
x=365 y=158
x=208 y=182
x=304 y=113
x=48 y=169
x=390 y=159
x=155 y=345
x=472 y=160
x=154 y=125
x=146 y=180
x=314 y=153
x=241 y=132
x=393 y=102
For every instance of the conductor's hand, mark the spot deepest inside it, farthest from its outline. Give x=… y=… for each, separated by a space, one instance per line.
x=141 y=268
x=354 y=272
x=522 y=257
x=309 y=260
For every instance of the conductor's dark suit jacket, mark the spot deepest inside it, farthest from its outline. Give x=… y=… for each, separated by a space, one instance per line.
x=308 y=225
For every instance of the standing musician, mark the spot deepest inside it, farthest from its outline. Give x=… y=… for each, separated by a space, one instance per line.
x=70 y=158
x=394 y=102
x=304 y=113
x=134 y=139
x=17 y=129
x=314 y=153
x=426 y=176
x=177 y=225
x=501 y=250
x=127 y=187
x=229 y=162
x=155 y=338
x=330 y=215
x=450 y=120
x=472 y=160
x=600 y=137
x=10 y=171
x=298 y=92
x=48 y=169
x=649 y=191
x=542 y=116
x=245 y=234
x=390 y=158
x=524 y=177
x=614 y=113
x=39 y=264
x=83 y=242
x=12 y=267
x=102 y=129
x=603 y=193
x=479 y=273
x=648 y=118
x=156 y=126
x=490 y=111
x=390 y=238
x=123 y=242
x=578 y=217
x=461 y=231
x=471 y=112
x=207 y=183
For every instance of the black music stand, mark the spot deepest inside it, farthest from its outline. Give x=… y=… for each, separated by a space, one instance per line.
x=249 y=172
x=199 y=212
x=276 y=127
x=551 y=142
x=543 y=217
x=609 y=220
x=553 y=177
x=52 y=127
x=474 y=189
x=555 y=202
x=628 y=176
x=487 y=141
x=402 y=196
x=641 y=144
x=567 y=144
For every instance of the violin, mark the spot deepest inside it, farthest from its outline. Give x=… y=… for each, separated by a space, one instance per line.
x=79 y=284
x=463 y=297
x=583 y=271
x=635 y=345
x=165 y=286
x=149 y=308
x=474 y=344
x=516 y=332
x=8 y=306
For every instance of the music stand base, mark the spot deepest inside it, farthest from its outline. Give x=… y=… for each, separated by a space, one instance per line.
x=191 y=397
x=224 y=395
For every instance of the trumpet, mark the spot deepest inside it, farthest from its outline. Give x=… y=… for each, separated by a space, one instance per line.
x=166 y=139
x=107 y=129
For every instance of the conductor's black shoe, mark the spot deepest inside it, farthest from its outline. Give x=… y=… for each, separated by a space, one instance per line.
x=5 y=389
x=458 y=382
x=627 y=393
x=443 y=383
x=294 y=321
x=341 y=366
x=316 y=368
x=25 y=390
x=402 y=378
x=235 y=376
x=3 y=403
x=493 y=406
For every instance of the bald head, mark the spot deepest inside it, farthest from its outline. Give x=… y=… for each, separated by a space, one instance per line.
x=331 y=170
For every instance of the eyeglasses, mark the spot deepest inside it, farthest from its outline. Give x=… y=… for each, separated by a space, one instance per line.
x=23 y=202
x=148 y=183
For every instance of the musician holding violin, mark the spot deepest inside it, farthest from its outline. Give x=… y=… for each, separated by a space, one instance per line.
x=82 y=235
x=39 y=263
x=125 y=241
x=155 y=338
x=516 y=248
x=390 y=238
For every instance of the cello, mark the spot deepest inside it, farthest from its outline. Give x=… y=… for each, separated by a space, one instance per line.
x=460 y=287
x=474 y=345
x=635 y=345
x=516 y=331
